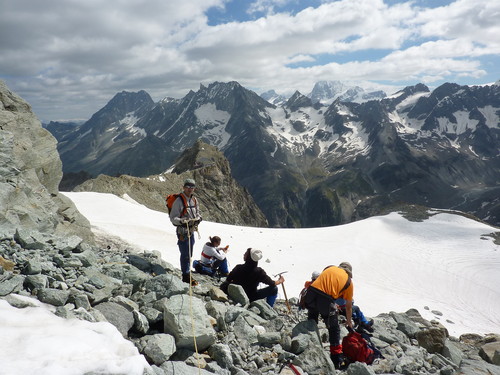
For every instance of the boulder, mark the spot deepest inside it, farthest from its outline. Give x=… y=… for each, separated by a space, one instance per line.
x=116 y=314
x=186 y=319
x=490 y=352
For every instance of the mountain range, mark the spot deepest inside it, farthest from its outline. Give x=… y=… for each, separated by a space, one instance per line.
x=307 y=162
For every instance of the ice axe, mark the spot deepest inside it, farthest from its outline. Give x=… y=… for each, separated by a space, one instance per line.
x=284 y=291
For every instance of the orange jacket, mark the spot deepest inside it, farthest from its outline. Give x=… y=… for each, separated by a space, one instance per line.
x=332 y=280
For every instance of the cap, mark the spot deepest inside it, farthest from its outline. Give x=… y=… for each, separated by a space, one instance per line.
x=189 y=182
x=256 y=255
x=346 y=266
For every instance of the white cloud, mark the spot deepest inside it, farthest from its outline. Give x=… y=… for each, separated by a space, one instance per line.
x=61 y=54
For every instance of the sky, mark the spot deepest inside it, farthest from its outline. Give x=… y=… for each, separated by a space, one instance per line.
x=444 y=265
x=68 y=58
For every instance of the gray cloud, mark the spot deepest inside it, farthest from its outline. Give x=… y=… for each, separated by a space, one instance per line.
x=68 y=57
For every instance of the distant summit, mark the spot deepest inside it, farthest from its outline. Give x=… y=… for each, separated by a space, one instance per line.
x=272 y=97
x=325 y=92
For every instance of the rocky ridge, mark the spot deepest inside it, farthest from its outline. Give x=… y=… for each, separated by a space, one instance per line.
x=142 y=296
x=221 y=198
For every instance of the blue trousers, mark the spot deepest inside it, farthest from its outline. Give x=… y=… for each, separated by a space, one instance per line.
x=184 y=247
x=218 y=265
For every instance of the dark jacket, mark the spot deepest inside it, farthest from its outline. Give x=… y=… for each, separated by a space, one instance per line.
x=249 y=276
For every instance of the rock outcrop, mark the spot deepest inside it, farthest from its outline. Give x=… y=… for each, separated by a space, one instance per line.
x=144 y=298
x=221 y=198
x=30 y=172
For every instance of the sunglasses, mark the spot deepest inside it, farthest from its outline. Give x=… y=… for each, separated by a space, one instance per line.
x=190 y=186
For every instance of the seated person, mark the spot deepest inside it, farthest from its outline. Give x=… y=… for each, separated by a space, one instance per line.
x=358 y=317
x=213 y=258
x=249 y=276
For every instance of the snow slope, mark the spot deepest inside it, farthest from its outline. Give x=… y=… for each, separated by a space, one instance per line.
x=443 y=264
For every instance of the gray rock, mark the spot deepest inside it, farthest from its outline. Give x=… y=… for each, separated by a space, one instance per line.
x=308 y=327
x=33 y=267
x=359 y=368
x=475 y=367
x=166 y=286
x=300 y=343
x=265 y=311
x=152 y=315
x=452 y=352
x=157 y=348
x=81 y=301
x=52 y=296
x=18 y=302
x=405 y=324
x=269 y=338
x=244 y=332
x=186 y=319
x=432 y=339
x=488 y=350
x=125 y=302
x=216 y=294
x=217 y=310
x=105 y=286
x=87 y=258
x=233 y=312
x=141 y=323
x=180 y=368
x=237 y=294
x=36 y=281
x=117 y=315
x=222 y=355
x=31 y=239
x=129 y=274
x=66 y=244
x=315 y=361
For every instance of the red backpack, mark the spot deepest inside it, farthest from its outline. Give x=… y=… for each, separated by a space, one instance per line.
x=357 y=349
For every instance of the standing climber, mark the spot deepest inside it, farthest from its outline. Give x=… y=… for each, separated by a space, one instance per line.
x=185 y=215
x=333 y=283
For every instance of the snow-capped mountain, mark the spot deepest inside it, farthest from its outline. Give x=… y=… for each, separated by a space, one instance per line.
x=326 y=92
x=309 y=164
x=273 y=97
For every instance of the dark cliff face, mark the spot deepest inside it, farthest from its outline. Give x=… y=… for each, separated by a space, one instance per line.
x=31 y=174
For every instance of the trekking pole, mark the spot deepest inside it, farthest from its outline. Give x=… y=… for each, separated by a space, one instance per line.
x=284 y=291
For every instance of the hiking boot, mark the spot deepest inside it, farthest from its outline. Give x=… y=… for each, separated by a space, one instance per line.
x=187 y=279
x=338 y=361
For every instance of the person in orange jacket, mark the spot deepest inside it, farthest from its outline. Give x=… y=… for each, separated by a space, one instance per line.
x=333 y=283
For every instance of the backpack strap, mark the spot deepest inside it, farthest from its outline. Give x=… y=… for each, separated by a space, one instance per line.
x=347 y=284
x=184 y=202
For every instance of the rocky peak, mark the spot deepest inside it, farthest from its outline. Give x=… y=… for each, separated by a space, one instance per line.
x=221 y=198
x=297 y=100
x=117 y=108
